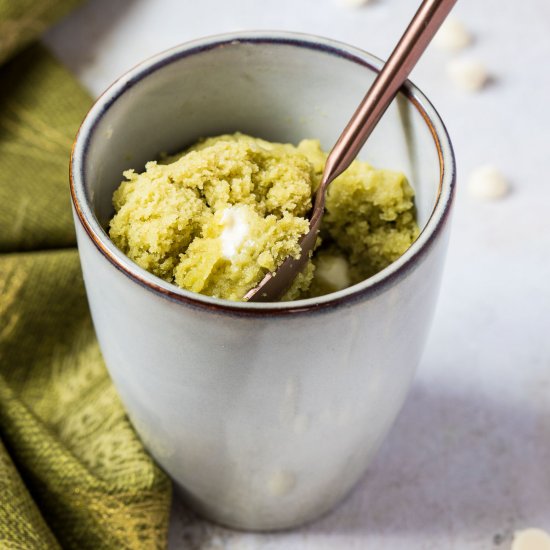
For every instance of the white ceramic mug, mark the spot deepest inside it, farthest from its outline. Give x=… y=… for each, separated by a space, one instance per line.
x=264 y=415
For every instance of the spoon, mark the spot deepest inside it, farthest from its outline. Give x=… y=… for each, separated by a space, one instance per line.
x=404 y=57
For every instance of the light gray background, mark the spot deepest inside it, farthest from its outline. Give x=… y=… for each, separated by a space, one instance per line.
x=468 y=461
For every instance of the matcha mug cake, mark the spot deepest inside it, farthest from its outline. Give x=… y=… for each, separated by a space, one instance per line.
x=265 y=415
x=217 y=217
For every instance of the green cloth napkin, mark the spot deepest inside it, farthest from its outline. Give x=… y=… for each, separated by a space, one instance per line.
x=73 y=474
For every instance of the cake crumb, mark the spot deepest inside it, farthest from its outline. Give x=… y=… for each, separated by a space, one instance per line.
x=531 y=539
x=452 y=36
x=488 y=183
x=468 y=74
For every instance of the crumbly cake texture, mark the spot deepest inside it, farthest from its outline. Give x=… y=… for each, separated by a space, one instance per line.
x=217 y=217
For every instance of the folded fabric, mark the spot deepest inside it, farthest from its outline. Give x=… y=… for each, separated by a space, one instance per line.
x=21 y=21
x=73 y=474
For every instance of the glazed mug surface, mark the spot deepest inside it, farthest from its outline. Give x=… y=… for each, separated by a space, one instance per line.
x=264 y=415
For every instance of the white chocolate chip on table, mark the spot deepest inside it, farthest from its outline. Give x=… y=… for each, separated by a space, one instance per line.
x=469 y=74
x=452 y=36
x=531 y=539
x=353 y=3
x=488 y=183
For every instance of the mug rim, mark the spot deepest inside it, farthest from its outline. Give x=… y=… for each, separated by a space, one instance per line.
x=360 y=291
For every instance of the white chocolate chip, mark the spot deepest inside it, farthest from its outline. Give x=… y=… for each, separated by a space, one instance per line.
x=488 y=183
x=469 y=74
x=531 y=539
x=235 y=230
x=333 y=271
x=452 y=36
x=353 y=3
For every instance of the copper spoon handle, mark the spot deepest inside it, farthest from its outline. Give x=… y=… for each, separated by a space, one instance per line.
x=404 y=57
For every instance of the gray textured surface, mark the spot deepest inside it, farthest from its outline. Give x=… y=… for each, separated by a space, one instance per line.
x=468 y=461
